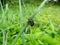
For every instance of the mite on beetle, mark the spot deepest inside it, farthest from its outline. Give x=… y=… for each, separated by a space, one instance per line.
x=30 y=22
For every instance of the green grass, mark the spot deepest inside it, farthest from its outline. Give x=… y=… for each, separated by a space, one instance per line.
x=37 y=34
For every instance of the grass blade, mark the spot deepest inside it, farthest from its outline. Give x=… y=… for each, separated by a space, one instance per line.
x=4 y=39
x=14 y=41
x=20 y=7
x=51 y=23
x=3 y=22
x=39 y=8
x=17 y=37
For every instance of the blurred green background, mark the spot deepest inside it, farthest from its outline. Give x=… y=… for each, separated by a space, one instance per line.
x=46 y=29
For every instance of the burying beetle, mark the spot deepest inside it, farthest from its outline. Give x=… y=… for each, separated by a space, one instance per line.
x=30 y=22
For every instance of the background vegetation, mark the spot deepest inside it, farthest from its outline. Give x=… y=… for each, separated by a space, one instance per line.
x=46 y=29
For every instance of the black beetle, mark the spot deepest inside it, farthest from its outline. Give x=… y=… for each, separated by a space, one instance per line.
x=30 y=22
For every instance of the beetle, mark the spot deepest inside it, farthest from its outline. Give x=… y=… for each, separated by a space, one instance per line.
x=30 y=22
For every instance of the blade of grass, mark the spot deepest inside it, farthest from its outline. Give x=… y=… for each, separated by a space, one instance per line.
x=3 y=16
x=51 y=23
x=20 y=7
x=4 y=39
x=14 y=41
x=4 y=21
x=39 y=8
x=7 y=7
